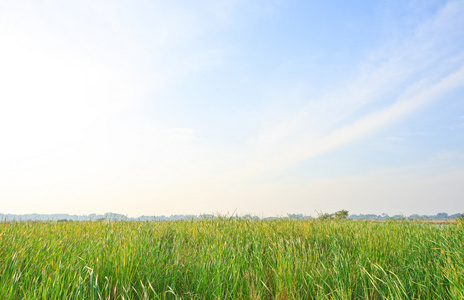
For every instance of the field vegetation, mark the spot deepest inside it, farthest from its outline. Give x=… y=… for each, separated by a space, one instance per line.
x=221 y=258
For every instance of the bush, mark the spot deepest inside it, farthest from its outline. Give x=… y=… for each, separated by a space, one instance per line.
x=339 y=215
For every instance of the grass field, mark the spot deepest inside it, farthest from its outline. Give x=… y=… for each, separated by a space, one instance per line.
x=232 y=259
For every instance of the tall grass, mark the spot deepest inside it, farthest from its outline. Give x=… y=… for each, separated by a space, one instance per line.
x=231 y=259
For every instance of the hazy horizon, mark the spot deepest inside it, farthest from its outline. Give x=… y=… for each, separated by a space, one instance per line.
x=254 y=107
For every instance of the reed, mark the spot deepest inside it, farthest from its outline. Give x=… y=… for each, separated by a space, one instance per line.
x=219 y=258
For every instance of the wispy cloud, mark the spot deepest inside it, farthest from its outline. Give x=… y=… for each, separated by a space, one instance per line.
x=419 y=70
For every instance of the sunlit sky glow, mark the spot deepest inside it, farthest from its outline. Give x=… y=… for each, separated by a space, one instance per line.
x=261 y=107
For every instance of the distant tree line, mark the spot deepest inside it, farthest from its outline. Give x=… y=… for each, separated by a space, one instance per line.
x=339 y=215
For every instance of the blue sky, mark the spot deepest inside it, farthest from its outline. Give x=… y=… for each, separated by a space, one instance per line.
x=261 y=107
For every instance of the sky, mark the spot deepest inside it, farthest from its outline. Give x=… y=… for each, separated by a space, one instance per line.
x=247 y=107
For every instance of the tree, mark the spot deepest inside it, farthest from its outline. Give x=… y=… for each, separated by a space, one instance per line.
x=341 y=214
x=325 y=216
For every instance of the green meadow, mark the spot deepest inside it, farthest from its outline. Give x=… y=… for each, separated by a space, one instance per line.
x=221 y=258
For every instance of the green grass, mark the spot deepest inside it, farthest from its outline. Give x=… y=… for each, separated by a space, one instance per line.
x=231 y=259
